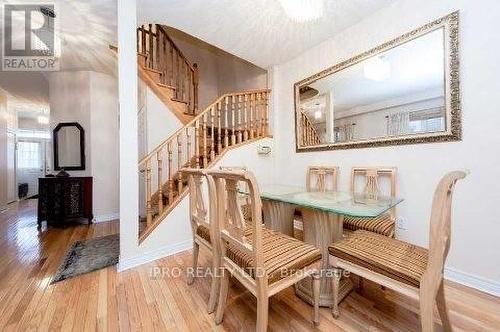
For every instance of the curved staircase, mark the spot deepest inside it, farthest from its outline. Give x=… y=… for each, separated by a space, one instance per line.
x=233 y=120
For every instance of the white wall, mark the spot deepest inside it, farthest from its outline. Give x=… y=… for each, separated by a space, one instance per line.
x=174 y=233
x=69 y=93
x=220 y=72
x=91 y=99
x=473 y=258
x=104 y=145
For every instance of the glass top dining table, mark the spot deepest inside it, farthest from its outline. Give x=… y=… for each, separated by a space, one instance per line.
x=322 y=219
x=339 y=202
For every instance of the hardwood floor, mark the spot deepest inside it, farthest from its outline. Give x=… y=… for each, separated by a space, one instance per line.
x=139 y=299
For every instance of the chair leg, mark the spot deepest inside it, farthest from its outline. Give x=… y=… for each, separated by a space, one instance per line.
x=224 y=285
x=426 y=314
x=214 y=288
x=443 y=310
x=316 y=287
x=262 y=313
x=196 y=250
x=335 y=289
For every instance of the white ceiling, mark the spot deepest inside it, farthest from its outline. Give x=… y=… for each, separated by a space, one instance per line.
x=255 y=30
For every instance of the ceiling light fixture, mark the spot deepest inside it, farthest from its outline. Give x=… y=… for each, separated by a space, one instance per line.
x=377 y=69
x=302 y=11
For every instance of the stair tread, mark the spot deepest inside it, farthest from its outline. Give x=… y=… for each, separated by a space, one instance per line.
x=152 y=70
x=167 y=86
x=180 y=100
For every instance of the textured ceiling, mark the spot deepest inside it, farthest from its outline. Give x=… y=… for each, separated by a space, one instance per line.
x=255 y=30
x=87 y=27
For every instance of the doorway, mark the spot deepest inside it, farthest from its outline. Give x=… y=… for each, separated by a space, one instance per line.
x=31 y=164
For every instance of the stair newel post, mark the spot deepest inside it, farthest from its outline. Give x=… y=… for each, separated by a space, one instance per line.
x=178 y=75
x=266 y=113
x=252 y=105
x=160 y=187
x=212 y=132
x=257 y=114
x=241 y=118
x=170 y=64
x=245 y=117
x=143 y=40
x=263 y=112
x=150 y=46
x=219 y=129
x=233 y=119
x=179 y=162
x=149 y=208
x=138 y=40
x=204 y=133
x=197 y=143
x=196 y=79
x=170 y=179
x=226 y=124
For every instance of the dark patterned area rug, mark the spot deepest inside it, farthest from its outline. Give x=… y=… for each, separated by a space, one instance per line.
x=90 y=255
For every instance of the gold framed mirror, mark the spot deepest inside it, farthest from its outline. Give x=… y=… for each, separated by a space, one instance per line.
x=405 y=91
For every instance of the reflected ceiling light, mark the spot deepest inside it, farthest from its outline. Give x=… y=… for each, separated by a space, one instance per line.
x=377 y=69
x=318 y=114
x=42 y=119
x=302 y=11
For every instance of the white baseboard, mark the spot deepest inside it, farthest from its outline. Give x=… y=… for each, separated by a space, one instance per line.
x=125 y=264
x=486 y=285
x=106 y=217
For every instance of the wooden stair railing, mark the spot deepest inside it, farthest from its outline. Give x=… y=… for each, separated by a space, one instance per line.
x=309 y=136
x=233 y=119
x=165 y=58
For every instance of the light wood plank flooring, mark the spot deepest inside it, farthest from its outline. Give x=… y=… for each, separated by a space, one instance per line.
x=135 y=300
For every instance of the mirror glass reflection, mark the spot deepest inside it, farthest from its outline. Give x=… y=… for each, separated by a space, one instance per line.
x=395 y=93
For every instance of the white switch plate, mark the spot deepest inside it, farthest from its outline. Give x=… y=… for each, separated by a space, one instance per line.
x=401 y=223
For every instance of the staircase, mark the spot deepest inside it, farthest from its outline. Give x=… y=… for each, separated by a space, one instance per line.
x=161 y=62
x=233 y=120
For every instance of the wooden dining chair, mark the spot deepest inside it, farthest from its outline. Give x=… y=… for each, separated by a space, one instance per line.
x=245 y=207
x=384 y=224
x=322 y=178
x=203 y=228
x=263 y=261
x=318 y=179
x=411 y=270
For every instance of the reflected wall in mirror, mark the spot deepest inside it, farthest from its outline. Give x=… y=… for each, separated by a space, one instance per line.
x=69 y=146
x=405 y=91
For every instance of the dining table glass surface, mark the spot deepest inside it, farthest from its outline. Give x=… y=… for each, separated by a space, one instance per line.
x=340 y=202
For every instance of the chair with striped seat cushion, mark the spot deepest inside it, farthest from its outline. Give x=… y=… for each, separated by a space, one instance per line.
x=201 y=226
x=282 y=254
x=264 y=261
x=383 y=224
x=406 y=268
x=395 y=259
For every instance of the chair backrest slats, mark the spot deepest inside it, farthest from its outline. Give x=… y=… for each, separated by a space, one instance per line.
x=197 y=204
x=322 y=178
x=372 y=179
x=234 y=230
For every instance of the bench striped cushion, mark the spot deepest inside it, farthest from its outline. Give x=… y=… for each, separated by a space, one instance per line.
x=283 y=255
x=392 y=258
x=382 y=224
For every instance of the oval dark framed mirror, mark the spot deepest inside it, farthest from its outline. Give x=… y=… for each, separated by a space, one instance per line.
x=69 y=146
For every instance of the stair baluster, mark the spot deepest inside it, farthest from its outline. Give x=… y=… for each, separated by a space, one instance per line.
x=229 y=121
